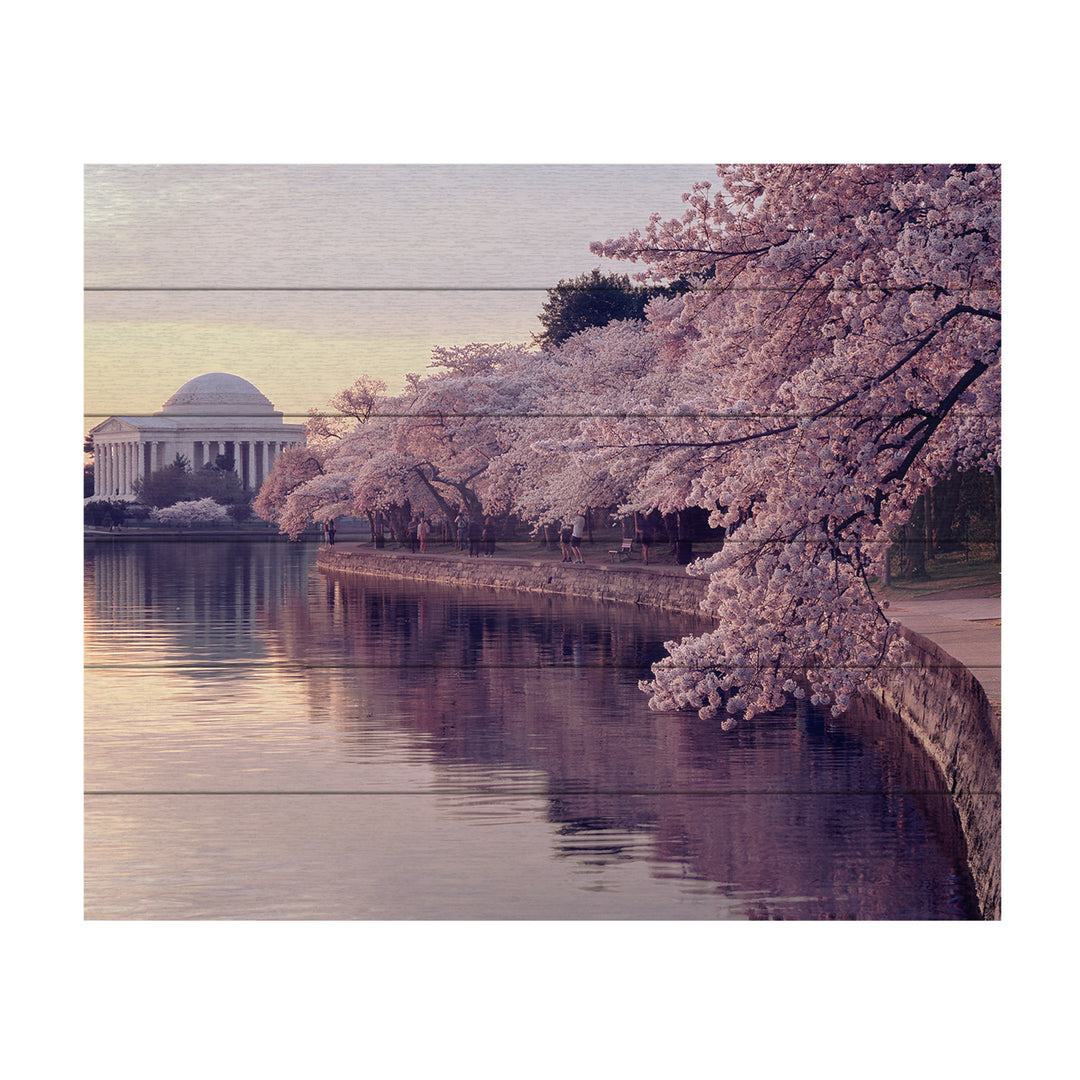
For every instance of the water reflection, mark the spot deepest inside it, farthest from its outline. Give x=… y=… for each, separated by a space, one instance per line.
x=527 y=777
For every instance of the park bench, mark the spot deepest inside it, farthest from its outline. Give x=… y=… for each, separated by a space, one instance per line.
x=620 y=553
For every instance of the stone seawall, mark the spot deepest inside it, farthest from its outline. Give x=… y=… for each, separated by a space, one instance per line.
x=595 y=581
x=941 y=703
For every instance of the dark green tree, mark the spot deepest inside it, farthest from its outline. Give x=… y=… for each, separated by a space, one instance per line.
x=104 y=513
x=164 y=487
x=177 y=483
x=88 y=466
x=213 y=482
x=593 y=299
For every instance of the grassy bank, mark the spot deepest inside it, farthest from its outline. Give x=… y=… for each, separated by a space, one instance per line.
x=976 y=575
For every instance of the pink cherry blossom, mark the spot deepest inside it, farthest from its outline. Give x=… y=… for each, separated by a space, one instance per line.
x=837 y=354
x=842 y=351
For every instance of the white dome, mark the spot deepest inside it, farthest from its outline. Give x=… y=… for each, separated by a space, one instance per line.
x=218 y=394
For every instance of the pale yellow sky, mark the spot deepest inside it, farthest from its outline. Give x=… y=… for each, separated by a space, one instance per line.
x=370 y=267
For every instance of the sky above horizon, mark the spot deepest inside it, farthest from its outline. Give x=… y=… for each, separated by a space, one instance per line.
x=363 y=268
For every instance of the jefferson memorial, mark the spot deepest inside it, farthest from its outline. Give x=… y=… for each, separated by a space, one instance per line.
x=208 y=416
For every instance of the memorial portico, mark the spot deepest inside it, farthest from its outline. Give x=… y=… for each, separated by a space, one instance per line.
x=210 y=416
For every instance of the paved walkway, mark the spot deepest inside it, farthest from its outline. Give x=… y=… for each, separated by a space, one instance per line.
x=966 y=623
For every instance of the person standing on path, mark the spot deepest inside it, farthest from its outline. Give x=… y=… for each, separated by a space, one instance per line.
x=422 y=533
x=645 y=539
x=576 y=533
x=564 y=542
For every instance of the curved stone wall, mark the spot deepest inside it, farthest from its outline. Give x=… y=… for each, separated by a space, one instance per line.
x=945 y=708
x=595 y=581
x=950 y=715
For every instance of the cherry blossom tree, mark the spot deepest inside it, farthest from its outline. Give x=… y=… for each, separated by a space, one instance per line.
x=280 y=499
x=428 y=448
x=549 y=473
x=486 y=430
x=838 y=354
x=193 y=512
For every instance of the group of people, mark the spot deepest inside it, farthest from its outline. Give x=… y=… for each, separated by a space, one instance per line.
x=419 y=531
x=461 y=532
x=480 y=538
x=570 y=539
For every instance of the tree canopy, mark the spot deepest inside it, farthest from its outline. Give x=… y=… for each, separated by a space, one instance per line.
x=834 y=354
x=841 y=355
x=177 y=483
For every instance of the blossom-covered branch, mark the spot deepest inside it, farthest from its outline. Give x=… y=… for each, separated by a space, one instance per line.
x=833 y=351
x=860 y=341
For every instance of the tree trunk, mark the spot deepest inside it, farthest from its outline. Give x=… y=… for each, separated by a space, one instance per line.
x=685 y=546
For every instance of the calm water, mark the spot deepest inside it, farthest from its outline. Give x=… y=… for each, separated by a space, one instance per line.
x=267 y=742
